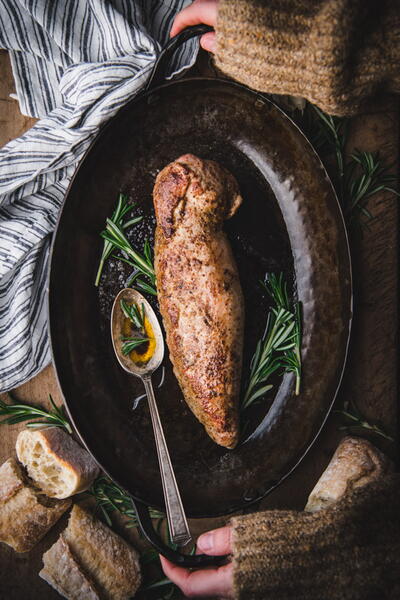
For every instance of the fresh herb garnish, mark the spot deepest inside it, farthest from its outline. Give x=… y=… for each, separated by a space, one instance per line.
x=355 y=421
x=280 y=346
x=110 y=497
x=266 y=360
x=135 y=314
x=130 y=343
x=17 y=413
x=291 y=360
x=357 y=176
x=117 y=218
x=365 y=176
x=142 y=263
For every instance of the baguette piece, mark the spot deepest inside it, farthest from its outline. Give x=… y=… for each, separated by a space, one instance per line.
x=55 y=462
x=65 y=575
x=355 y=463
x=26 y=514
x=106 y=564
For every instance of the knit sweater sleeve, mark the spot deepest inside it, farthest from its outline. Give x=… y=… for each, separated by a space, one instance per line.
x=348 y=552
x=335 y=53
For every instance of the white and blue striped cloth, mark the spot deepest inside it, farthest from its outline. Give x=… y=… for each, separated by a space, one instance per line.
x=75 y=63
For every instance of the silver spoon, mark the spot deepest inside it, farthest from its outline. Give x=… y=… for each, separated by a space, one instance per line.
x=178 y=527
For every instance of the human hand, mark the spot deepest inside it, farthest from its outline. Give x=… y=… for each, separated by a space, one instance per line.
x=201 y=11
x=205 y=583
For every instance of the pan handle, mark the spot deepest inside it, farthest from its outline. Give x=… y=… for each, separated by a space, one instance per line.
x=183 y=560
x=157 y=76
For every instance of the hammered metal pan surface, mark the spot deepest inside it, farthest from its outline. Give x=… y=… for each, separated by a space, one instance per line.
x=290 y=221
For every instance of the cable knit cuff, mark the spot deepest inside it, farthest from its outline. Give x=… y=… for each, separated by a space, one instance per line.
x=350 y=551
x=271 y=558
x=335 y=53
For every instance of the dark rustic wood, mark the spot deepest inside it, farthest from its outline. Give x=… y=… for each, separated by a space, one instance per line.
x=371 y=374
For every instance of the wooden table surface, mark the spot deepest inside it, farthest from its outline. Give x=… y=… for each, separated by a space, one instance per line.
x=371 y=374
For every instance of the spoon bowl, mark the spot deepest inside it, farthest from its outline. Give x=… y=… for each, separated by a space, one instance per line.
x=141 y=370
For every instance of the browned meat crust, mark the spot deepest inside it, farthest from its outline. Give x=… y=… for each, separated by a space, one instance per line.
x=200 y=298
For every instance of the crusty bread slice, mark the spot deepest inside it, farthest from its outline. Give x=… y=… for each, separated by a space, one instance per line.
x=55 y=462
x=355 y=463
x=25 y=513
x=65 y=575
x=107 y=564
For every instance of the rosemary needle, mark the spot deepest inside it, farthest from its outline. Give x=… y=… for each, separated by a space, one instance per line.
x=354 y=421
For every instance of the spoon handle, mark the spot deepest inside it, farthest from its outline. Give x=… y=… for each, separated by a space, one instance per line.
x=178 y=527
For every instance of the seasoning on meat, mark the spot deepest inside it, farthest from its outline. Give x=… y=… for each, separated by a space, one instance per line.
x=199 y=293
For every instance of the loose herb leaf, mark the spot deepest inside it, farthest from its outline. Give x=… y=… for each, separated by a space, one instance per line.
x=137 y=283
x=142 y=286
x=130 y=343
x=355 y=421
x=18 y=413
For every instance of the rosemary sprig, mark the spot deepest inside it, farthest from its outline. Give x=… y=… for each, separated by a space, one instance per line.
x=354 y=421
x=17 y=413
x=280 y=346
x=276 y=287
x=358 y=176
x=142 y=263
x=277 y=338
x=110 y=497
x=135 y=314
x=365 y=176
x=130 y=343
x=117 y=218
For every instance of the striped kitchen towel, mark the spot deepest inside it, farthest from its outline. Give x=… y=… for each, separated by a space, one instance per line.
x=75 y=63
